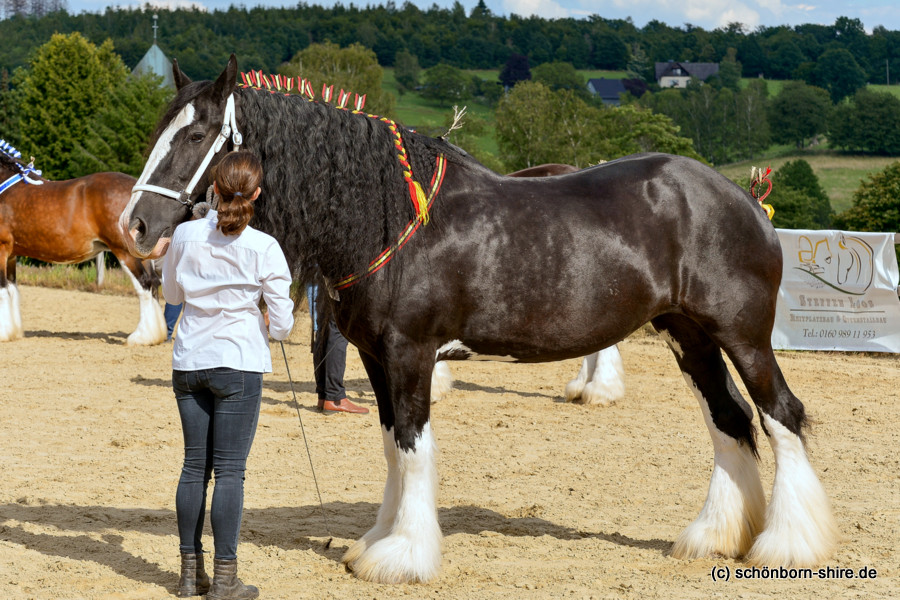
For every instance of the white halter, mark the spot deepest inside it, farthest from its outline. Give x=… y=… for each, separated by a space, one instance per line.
x=229 y=129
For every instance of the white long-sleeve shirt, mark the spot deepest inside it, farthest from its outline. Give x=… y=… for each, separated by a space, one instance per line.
x=220 y=278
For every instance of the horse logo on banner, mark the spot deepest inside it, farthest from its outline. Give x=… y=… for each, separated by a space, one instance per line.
x=849 y=268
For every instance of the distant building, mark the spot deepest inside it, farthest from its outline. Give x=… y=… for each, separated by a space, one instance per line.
x=678 y=74
x=607 y=89
x=156 y=62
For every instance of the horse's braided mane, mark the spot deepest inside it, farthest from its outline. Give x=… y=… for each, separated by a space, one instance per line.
x=334 y=194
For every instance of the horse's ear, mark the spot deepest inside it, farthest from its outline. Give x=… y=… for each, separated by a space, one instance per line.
x=224 y=85
x=180 y=78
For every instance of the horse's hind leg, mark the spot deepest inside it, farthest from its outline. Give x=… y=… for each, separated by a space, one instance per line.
x=601 y=379
x=733 y=512
x=411 y=550
x=800 y=530
x=151 y=328
x=441 y=381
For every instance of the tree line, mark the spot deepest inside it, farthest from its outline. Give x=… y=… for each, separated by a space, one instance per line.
x=265 y=38
x=76 y=107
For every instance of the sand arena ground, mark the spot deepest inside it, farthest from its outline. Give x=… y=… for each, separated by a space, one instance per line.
x=538 y=498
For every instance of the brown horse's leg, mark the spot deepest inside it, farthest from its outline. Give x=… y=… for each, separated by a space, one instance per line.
x=151 y=328
x=10 y=318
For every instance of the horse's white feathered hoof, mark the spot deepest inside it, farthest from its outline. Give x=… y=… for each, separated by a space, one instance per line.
x=397 y=558
x=601 y=379
x=800 y=529
x=733 y=513
x=602 y=392
x=151 y=329
x=441 y=381
x=10 y=321
x=574 y=389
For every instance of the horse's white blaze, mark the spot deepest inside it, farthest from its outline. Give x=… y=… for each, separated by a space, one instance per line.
x=441 y=381
x=411 y=551
x=800 y=529
x=151 y=328
x=601 y=379
x=733 y=512
x=184 y=118
x=388 y=511
x=458 y=346
x=18 y=331
x=8 y=315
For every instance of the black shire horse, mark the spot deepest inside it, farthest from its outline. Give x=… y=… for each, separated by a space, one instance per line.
x=493 y=270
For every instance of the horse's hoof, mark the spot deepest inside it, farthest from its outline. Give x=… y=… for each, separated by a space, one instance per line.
x=395 y=559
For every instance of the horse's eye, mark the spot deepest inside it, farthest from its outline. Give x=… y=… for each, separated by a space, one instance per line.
x=197 y=136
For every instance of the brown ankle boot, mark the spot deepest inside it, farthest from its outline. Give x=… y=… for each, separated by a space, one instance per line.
x=194 y=580
x=226 y=585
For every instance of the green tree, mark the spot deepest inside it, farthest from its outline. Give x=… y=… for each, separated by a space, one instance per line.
x=876 y=203
x=120 y=131
x=798 y=198
x=839 y=73
x=609 y=51
x=536 y=125
x=406 y=71
x=752 y=134
x=68 y=83
x=515 y=70
x=447 y=84
x=527 y=127
x=353 y=68
x=629 y=129
x=9 y=118
x=639 y=65
x=799 y=113
x=870 y=123
x=560 y=76
x=730 y=71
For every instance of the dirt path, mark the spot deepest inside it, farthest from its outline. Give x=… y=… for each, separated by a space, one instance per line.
x=538 y=499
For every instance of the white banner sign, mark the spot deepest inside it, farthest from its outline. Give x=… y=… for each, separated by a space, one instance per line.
x=838 y=292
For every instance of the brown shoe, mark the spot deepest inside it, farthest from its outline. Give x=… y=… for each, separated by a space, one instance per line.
x=342 y=405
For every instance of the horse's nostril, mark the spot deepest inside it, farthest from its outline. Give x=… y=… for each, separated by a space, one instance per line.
x=139 y=227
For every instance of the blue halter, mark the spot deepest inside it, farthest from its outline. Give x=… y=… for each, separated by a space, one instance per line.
x=24 y=170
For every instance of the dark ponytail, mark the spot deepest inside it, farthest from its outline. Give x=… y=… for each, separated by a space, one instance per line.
x=237 y=178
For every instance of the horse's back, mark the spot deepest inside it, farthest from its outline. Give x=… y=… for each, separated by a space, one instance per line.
x=620 y=243
x=68 y=221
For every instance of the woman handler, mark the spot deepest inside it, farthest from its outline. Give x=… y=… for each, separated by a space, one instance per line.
x=220 y=268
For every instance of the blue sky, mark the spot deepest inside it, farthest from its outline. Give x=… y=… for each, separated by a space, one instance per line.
x=708 y=14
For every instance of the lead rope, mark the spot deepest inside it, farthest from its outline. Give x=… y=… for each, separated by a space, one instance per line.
x=305 y=443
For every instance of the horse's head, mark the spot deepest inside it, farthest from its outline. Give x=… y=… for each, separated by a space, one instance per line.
x=195 y=128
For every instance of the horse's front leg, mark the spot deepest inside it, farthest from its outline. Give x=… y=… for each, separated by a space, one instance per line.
x=151 y=328
x=10 y=315
x=405 y=544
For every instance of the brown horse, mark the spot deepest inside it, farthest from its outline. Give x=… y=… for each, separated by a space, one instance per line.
x=67 y=222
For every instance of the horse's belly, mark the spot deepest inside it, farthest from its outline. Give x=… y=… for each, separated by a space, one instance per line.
x=57 y=249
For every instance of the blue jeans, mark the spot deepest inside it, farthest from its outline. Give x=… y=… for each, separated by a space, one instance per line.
x=219 y=410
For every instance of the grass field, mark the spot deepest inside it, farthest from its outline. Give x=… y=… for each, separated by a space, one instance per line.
x=839 y=174
x=75 y=277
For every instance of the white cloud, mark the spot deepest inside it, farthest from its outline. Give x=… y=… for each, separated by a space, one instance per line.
x=548 y=9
